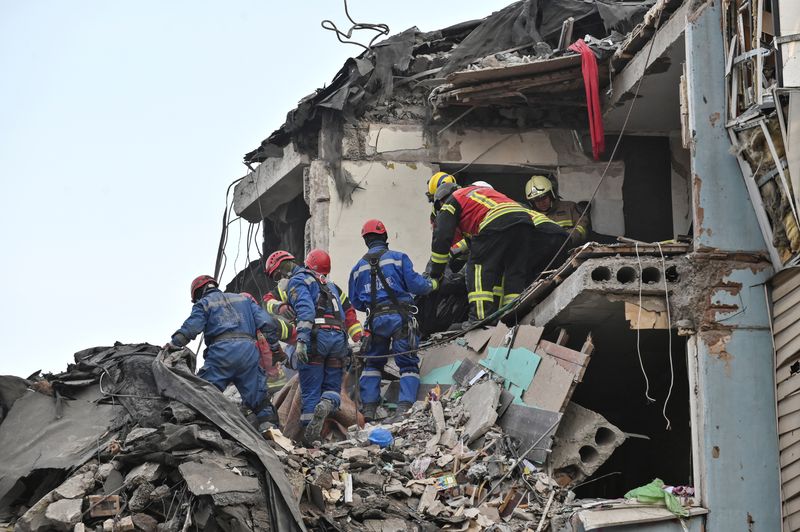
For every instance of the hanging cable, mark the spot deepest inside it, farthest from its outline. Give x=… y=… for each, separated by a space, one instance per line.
x=638 y=330
x=669 y=330
x=346 y=37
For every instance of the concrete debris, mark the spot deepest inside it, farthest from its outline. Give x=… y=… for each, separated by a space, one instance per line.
x=64 y=514
x=584 y=441
x=450 y=464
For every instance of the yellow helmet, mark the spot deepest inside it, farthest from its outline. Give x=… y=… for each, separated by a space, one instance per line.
x=437 y=180
x=538 y=186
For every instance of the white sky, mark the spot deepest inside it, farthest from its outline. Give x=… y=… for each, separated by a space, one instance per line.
x=121 y=126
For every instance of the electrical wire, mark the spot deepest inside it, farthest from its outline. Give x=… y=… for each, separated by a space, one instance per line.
x=346 y=37
x=669 y=330
x=633 y=100
x=639 y=329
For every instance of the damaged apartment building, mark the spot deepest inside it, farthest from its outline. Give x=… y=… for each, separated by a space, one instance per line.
x=689 y=290
x=649 y=380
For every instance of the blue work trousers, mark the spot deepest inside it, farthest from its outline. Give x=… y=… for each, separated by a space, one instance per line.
x=389 y=336
x=236 y=361
x=321 y=378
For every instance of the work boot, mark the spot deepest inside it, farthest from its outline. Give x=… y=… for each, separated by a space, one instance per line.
x=402 y=408
x=314 y=429
x=369 y=410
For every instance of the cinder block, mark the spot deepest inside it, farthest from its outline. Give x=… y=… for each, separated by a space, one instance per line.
x=583 y=442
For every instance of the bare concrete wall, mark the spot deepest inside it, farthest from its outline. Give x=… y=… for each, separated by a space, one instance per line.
x=576 y=183
x=392 y=192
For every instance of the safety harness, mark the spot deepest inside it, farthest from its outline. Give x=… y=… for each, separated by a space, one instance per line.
x=405 y=310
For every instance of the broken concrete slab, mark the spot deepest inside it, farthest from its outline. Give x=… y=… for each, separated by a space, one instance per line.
x=355 y=453
x=137 y=434
x=480 y=402
x=210 y=479
x=527 y=424
x=64 y=514
x=76 y=486
x=146 y=472
x=583 y=442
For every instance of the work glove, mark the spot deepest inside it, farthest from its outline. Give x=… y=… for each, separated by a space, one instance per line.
x=301 y=353
x=278 y=355
x=286 y=310
x=357 y=337
x=169 y=347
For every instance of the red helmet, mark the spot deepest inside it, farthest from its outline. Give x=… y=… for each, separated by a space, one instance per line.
x=249 y=296
x=276 y=259
x=319 y=261
x=200 y=282
x=373 y=227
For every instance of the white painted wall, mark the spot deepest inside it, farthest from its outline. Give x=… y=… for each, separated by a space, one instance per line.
x=576 y=183
x=394 y=193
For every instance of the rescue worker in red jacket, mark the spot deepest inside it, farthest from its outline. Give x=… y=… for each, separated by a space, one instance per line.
x=501 y=233
x=318 y=261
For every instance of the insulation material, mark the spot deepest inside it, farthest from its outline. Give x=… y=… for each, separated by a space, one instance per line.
x=577 y=183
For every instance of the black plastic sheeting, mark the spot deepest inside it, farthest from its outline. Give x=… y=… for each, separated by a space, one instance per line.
x=176 y=381
x=369 y=78
x=33 y=437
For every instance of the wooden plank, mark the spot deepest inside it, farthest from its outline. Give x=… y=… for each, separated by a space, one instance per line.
x=786 y=440
x=787 y=388
x=550 y=387
x=789 y=404
x=789 y=423
x=785 y=303
x=791 y=506
x=790 y=487
x=784 y=283
x=788 y=353
x=785 y=328
x=785 y=372
x=790 y=455
x=602 y=518
x=469 y=77
x=789 y=474
x=562 y=353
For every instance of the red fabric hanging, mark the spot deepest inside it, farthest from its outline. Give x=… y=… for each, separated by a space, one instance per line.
x=592 y=83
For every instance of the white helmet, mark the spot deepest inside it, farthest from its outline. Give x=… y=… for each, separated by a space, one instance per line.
x=482 y=184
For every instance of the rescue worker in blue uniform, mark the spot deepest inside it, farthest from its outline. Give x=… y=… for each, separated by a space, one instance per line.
x=383 y=284
x=229 y=323
x=321 y=340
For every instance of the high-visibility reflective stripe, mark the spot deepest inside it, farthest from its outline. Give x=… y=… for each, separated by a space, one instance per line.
x=565 y=223
x=483 y=200
x=508 y=298
x=449 y=208
x=371 y=373
x=388 y=262
x=282 y=294
x=305 y=324
x=308 y=280
x=500 y=210
x=478 y=293
x=284 y=330
x=482 y=296
x=354 y=328
x=497 y=291
x=440 y=258
x=409 y=375
x=272 y=305
x=581 y=229
x=362 y=268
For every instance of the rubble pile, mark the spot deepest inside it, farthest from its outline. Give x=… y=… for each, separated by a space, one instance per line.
x=135 y=457
x=445 y=466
